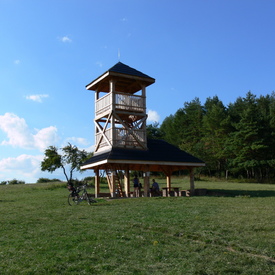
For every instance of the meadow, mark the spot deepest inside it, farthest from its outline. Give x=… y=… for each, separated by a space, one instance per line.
x=230 y=231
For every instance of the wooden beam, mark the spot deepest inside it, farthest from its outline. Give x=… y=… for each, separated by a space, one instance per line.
x=146 y=183
x=102 y=131
x=113 y=105
x=97 y=183
x=130 y=131
x=127 y=182
x=168 y=182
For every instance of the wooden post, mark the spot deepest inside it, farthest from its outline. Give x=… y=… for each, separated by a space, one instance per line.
x=168 y=182
x=113 y=106
x=144 y=123
x=146 y=183
x=144 y=97
x=127 y=183
x=192 y=182
x=113 y=186
x=97 y=183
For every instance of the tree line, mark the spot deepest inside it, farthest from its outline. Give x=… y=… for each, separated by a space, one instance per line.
x=237 y=140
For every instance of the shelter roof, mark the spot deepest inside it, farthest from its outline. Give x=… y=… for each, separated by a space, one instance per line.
x=125 y=77
x=159 y=154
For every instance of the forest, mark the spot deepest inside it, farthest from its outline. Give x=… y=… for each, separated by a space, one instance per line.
x=235 y=141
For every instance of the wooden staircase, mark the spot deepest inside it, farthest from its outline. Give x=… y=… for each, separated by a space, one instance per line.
x=116 y=181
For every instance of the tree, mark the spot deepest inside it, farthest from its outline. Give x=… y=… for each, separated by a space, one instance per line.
x=170 y=134
x=153 y=131
x=72 y=156
x=238 y=138
x=216 y=127
x=189 y=125
x=247 y=143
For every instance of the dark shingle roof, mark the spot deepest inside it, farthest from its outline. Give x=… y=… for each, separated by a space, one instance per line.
x=158 y=151
x=125 y=77
x=124 y=69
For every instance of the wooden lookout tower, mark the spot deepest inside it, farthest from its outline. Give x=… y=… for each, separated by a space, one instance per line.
x=121 y=143
x=120 y=108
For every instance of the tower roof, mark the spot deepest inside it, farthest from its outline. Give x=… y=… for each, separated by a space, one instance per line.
x=125 y=77
x=124 y=69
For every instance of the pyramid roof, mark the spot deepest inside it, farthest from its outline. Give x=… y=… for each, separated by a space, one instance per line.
x=159 y=154
x=124 y=75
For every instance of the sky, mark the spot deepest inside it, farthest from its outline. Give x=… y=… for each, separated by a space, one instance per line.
x=50 y=50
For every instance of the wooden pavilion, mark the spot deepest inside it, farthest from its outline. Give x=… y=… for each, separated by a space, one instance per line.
x=120 y=134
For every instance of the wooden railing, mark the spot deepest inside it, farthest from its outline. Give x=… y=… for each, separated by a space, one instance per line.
x=103 y=104
x=123 y=101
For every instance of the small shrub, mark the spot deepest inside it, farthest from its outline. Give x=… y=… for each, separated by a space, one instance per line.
x=45 y=180
x=89 y=181
x=56 y=180
x=42 y=180
x=15 y=181
x=3 y=182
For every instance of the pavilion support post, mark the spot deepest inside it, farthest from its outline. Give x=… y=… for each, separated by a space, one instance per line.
x=113 y=185
x=192 y=182
x=127 y=182
x=168 y=182
x=146 y=182
x=97 y=183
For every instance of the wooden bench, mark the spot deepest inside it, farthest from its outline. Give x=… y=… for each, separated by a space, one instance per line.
x=184 y=193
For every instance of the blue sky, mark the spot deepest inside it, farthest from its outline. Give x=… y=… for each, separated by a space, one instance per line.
x=51 y=49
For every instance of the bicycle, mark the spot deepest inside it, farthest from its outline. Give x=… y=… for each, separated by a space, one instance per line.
x=78 y=195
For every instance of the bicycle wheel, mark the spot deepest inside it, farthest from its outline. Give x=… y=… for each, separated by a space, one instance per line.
x=72 y=200
x=89 y=199
x=86 y=198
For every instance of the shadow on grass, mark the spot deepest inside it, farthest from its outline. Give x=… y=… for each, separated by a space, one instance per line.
x=240 y=193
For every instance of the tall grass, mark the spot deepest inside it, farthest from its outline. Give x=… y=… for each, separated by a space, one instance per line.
x=231 y=232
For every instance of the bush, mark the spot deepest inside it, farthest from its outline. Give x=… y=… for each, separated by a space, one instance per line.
x=15 y=181
x=45 y=180
x=3 y=182
x=89 y=180
x=56 y=180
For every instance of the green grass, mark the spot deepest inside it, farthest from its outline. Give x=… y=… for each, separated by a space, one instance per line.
x=231 y=232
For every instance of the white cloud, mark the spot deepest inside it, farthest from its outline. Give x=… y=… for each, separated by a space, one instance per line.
x=77 y=140
x=153 y=116
x=81 y=143
x=90 y=149
x=65 y=39
x=28 y=168
x=24 y=167
x=17 y=62
x=45 y=137
x=19 y=134
x=37 y=98
x=99 y=64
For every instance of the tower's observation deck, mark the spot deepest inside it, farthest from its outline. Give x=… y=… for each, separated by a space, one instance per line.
x=120 y=108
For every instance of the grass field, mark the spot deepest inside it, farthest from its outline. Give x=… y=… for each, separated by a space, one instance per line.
x=230 y=232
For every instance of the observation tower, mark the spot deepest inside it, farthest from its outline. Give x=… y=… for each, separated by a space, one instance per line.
x=121 y=144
